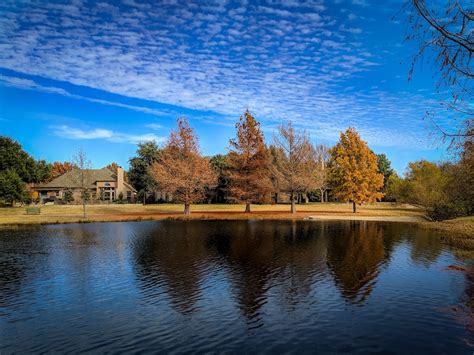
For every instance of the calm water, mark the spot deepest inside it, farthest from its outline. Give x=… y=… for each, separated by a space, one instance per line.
x=258 y=286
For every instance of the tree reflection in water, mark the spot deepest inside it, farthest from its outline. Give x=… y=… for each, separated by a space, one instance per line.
x=260 y=256
x=284 y=260
x=197 y=285
x=355 y=255
x=175 y=266
x=424 y=248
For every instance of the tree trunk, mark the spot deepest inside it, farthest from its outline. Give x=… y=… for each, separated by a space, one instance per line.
x=84 y=206
x=247 y=207
x=321 y=191
x=187 y=210
x=293 y=207
x=354 y=207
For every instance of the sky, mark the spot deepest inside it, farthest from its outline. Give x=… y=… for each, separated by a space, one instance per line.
x=104 y=76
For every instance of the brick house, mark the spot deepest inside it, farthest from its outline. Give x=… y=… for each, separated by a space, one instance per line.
x=103 y=184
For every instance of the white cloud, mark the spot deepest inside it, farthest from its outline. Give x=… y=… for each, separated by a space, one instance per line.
x=154 y=126
x=351 y=16
x=28 y=84
x=353 y=30
x=75 y=133
x=68 y=132
x=214 y=68
x=282 y=60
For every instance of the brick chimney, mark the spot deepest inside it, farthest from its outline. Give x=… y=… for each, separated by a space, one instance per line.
x=120 y=181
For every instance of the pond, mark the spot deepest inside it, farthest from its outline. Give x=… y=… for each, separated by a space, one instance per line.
x=232 y=286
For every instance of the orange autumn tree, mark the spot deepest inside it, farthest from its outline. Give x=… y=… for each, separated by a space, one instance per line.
x=354 y=170
x=58 y=168
x=249 y=161
x=181 y=170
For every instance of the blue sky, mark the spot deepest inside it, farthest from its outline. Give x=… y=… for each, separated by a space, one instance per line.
x=106 y=75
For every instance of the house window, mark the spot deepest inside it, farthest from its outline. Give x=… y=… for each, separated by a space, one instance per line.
x=107 y=184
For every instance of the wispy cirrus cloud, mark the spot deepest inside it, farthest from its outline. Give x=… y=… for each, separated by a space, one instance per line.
x=28 y=84
x=68 y=132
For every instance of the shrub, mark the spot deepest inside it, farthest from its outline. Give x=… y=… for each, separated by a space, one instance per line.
x=68 y=196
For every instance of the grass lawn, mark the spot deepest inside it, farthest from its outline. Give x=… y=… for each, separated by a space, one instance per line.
x=126 y=212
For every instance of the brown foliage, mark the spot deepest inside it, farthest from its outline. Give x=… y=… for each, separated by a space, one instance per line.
x=181 y=170
x=249 y=162
x=355 y=259
x=354 y=170
x=294 y=162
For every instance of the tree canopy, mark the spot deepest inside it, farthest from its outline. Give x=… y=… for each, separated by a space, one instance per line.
x=385 y=168
x=427 y=183
x=181 y=170
x=59 y=168
x=13 y=157
x=249 y=161
x=294 y=162
x=220 y=164
x=12 y=188
x=18 y=168
x=354 y=170
x=444 y=190
x=139 y=174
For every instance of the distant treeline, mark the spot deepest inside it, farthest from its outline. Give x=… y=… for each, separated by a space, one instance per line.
x=253 y=172
x=290 y=169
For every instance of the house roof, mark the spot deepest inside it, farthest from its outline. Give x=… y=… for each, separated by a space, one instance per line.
x=71 y=179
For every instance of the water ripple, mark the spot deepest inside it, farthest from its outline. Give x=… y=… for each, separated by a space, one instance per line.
x=262 y=286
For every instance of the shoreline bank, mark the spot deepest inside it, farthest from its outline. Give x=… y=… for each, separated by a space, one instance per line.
x=379 y=212
x=198 y=216
x=57 y=214
x=458 y=233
